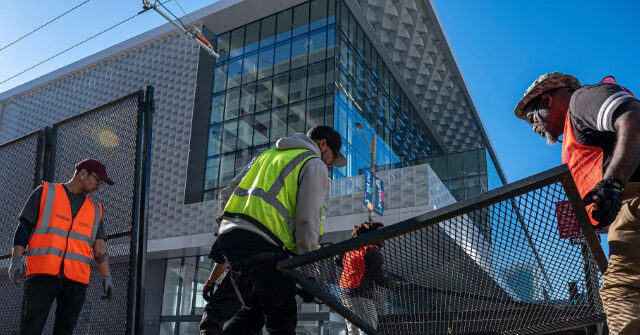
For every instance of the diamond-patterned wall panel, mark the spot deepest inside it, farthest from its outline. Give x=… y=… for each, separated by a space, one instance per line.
x=407 y=32
x=168 y=63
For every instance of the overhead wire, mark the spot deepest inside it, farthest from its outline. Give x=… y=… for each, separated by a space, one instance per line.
x=75 y=45
x=185 y=13
x=177 y=18
x=44 y=25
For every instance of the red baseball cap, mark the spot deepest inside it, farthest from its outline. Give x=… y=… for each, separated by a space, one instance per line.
x=95 y=166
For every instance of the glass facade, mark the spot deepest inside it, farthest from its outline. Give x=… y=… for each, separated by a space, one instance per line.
x=182 y=302
x=274 y=77
x=308 y=65
x=368 y=93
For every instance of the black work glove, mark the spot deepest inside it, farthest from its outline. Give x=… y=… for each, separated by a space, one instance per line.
x=607 y=196
x=207 y=292
x=305 y=295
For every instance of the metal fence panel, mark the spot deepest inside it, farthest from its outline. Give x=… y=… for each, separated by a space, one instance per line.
x=442 y=276
x=18 y=171
x=110 y=134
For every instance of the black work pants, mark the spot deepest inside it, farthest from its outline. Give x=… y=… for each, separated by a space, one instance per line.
x=223 y=305
x=268 y=295
x=39 y=293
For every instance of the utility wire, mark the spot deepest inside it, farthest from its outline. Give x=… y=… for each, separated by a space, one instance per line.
x=67 y=49
x=177 y=18
x=42 y=26
x=185 y=13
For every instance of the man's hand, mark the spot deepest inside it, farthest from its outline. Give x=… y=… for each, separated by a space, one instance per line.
x=16 y=270
x=207 y=291
x=607 y=197
x=107 y=286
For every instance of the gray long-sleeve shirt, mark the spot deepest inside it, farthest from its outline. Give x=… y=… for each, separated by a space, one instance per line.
x=312 y=181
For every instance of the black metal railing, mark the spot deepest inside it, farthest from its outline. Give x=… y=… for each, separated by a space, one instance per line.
x=442 y=276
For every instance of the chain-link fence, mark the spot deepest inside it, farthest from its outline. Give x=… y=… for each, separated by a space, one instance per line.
x=114 y=134
x=440 y=275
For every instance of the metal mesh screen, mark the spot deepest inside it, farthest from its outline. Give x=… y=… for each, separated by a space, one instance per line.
x=109 y=133
x=17 y=175
x=442 y=276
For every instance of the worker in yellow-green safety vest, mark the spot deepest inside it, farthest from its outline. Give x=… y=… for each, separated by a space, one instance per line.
x=273 y=209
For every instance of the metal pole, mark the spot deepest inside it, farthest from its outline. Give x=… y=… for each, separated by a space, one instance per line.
x=372 y=152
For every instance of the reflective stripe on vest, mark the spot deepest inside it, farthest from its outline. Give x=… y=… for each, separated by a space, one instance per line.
x=58 y=238
x=262 y=183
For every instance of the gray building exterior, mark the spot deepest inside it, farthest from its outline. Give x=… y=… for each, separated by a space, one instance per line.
x=386 y=64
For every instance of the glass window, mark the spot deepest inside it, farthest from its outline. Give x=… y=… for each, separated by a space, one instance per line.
x=237 y=42
x=344 y=18
x=220 y=77
x=280 y=90
x=328 y=110
x=248 y=99
x=167 y=328
x=215 y=134
x=278 y=123
x=472 y=186
x=229 y=136
x=316 y=79
x=296 y=118
x=232 y=104
x=283 y=25
x=470 y=163
x=211 y=173
x=217 y=108
x=315 y=112
x=331 y=17
x=352 y=28
x=301 y=19
x=282 y=56
x=251 y=37
x=299 y=47
x=227 y=171
x=222 y=46
x=245 y=132
x=457 y=188
x=250 y=67
x=235 y=72
x=242 y=159
x=171 y=287
x=268 y=30
x=455 y=166
x=265 y=62
x=482 y=161
x=318 y=14
x=331 y=41
x=298 y=86
x=317 y=45
x=329 y=80
x=261 y=128
x=188 y=282
x=263 y=95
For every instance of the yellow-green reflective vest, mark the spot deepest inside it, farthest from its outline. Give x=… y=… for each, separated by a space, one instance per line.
x=267 y=195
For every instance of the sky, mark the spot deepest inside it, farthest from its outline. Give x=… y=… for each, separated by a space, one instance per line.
x=500 y=48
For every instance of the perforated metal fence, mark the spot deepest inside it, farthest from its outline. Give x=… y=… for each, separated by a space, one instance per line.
x=116 y=134
x=19 y=164
x=442 y=276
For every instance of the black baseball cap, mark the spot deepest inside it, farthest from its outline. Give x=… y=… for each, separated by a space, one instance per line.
x=333 y=140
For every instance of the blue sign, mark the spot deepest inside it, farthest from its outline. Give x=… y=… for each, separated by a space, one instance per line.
x=379 y=197
x=368 y=190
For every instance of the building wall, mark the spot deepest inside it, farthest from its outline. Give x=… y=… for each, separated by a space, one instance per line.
x=169 y=63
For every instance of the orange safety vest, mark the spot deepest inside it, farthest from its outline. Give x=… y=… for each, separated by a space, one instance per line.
x=57 y=238
x=584 y=161
x=353 y=267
